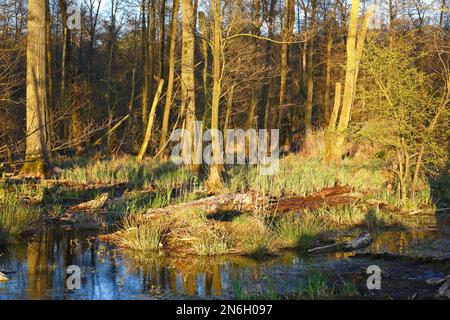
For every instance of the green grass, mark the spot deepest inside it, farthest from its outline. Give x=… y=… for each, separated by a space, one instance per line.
x=161 y=176
x=302 y=175
x=212 y=242
x=315 y=286
x=143 y=237
x=298 y=231
x=15 y=216
x=253 y=235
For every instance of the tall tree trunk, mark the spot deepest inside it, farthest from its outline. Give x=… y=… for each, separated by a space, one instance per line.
x=162 y=38
x=263 y=109
x=354 y=53
x=37 y=141
x=187 y=66
x=288 y=28
x=230 y=97
x=167 y=106
x=204 y=32
x=326 y=102
x=145 y=65
x=112 y=35
x=309 y=74
x=50 y=88
x=214 y=181
x=65 y=64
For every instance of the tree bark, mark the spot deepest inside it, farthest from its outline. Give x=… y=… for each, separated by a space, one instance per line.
x=168 y=103
x=215 y=182
x=287 y=34
x=354 y=54
x=37 y=140
x=150 y=122
x=309 y=74
x=187 y=66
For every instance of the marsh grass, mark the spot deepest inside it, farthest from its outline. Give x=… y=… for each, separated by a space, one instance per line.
x=302 y=175
x=15 y=216
x=212 y=242
x=253 y=235
x=147 y=175
x=314 y=287
x=143 y=237
x=340 y=216
x=423 y=199
x=298 y=231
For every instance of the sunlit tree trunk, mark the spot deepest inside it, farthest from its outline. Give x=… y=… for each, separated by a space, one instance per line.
x=214 y=181
x=145 y=65
x=326 y=103
x=187 y=66
x=50 y=88
x=263 y=113
x=330 y=136
x=168 y=103
x=150 y=122
x=162 y=36
x=37 y=140
x=287 y=34
x=309 y=74
x=354 y=54
x=230 y=97
x=204 y=41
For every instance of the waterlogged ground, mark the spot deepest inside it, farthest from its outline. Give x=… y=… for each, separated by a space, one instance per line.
x=40 y=264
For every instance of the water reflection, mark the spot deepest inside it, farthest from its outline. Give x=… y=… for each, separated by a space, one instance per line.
x=41 y=264
x=416 y=243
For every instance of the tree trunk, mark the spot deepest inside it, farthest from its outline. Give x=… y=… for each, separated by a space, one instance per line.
x=287 y=34
x=187 y=66
x=150 y=122
x=167 y=106
x=326 y=102
x=204 y=32
x=309 y=76
x=329 y=154
x=50 y=88
x=65 y=61
x=37 y=142
x=162 y=28
x=215 y=181
x=354 y=54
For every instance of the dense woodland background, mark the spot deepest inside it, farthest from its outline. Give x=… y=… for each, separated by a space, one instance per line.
x=376 y=76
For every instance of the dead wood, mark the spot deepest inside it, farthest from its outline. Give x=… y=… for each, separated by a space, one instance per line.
x=362 y=241
x=95 y=204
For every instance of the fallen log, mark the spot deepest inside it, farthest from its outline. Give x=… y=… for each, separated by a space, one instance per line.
x=213 y=204
x=95 y=204
x=362 y=241
x=332 y=196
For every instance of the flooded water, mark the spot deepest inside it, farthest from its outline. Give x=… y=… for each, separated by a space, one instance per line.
x=39 y=268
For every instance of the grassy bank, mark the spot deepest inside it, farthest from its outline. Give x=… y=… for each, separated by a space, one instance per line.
x=16 y=217
x=249 y=233
x=260 y=232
